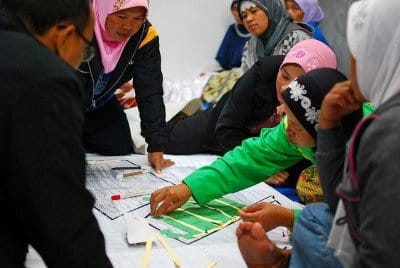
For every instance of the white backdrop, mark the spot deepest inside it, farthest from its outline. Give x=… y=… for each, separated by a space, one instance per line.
x=190 y=34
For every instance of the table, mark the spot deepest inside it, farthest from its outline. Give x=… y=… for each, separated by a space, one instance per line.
x=220 y=247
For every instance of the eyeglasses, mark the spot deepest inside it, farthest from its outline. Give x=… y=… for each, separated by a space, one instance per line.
x=89 y=50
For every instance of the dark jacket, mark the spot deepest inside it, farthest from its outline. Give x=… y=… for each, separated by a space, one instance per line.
x=141 y=62
x=252 y=101
x=370 y=188
x=43 y=198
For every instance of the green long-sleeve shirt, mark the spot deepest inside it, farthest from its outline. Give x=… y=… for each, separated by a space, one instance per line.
x=252 y=162
x=246 y=165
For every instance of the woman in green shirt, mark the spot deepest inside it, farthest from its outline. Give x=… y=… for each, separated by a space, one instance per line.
x=257 y=158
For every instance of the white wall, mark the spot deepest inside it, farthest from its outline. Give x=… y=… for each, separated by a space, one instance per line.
x=190 y=34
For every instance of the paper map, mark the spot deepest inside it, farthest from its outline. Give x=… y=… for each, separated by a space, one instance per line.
x=102 y=182
x=192 y=222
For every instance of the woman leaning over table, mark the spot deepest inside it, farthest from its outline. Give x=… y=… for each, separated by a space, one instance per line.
x=127 y=48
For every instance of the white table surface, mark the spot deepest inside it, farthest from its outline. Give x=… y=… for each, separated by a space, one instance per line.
x=220 y=247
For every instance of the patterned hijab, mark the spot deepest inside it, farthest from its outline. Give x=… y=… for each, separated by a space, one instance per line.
x=374 y=40
x=110 y=50
x=278 y=20
x=311 y=10
x=305 y=94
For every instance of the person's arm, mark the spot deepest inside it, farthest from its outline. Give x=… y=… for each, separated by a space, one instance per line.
x=224 y=56
x=269 y=215
x=232 y=124
x=331 y=151
x=245 y=166
x=378 y=171
x=54 y=209
x=147 y=80
x=331 y=143
x=240 y=168
x=330 y=156
x=252 y=100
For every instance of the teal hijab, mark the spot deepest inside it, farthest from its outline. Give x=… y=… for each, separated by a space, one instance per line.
x=278 y=21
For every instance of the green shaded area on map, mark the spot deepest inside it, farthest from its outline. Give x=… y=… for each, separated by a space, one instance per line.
x=146 y=198
x=193 y=221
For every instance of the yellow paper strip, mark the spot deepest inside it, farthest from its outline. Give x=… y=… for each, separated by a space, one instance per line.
x=147 y=251
x=227 y=204
x=202 y=217
x=184 y=223
x=175 y=258
x=219 y=210
x=212 y=264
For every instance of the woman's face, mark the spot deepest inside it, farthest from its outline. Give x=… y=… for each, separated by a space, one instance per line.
x=286 y=74
x=123 y=24
x=255 y=20
x=295 y=131
x=294 y=10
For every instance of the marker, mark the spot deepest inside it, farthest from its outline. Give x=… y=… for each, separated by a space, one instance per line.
x=116 y=197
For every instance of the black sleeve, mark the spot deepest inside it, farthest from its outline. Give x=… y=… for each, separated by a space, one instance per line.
x=253 y=98
x=378 y=171
x=147 y=80
x=231 y=128
x=54 y=209
x=331 y=153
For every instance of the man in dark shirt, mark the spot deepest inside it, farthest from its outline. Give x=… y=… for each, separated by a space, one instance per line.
x=43 y=199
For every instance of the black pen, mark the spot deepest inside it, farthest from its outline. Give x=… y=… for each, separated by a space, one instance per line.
x=126 y=168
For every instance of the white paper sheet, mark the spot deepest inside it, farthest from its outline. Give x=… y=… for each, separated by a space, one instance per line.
x=220 y=247
x=103 y=182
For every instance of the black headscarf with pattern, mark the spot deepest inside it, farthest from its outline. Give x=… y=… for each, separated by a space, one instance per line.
x=305 y=94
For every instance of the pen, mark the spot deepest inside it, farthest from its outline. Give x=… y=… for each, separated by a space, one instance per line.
x=116 y=197
x=126 y=168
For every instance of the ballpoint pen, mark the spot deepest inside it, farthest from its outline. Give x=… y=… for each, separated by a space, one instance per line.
x=126 y=168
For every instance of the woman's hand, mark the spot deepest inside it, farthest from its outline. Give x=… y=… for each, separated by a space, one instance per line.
x=158 y=162
x=169 y=198
x=126 y=96
x=278 y=179
x=269 y=215
x=339 y=102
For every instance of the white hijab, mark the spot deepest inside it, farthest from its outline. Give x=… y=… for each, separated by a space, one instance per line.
x=373 y=34
x=374 y=40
